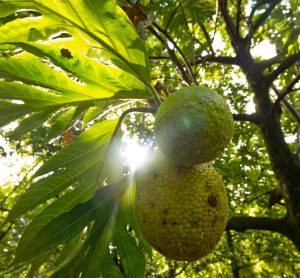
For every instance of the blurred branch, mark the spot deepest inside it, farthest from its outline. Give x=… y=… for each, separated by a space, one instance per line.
x=159 y=57
x=262 y=18
x=288 y=106
x=252 y=118
x=269 y=62
x=279 y=225
x=207 y=37
x=192 y=74
x=288 y=62
x=171 y=40
x=4 y=209
x=243 y=223
x=218 y=59
x=234 y=262
x=238 y=17
x=173 y=13
x=167 y=35
x=4 y=233
x=255 y=7
x=230 y=27
x=288 y=89
x=182 y=269
x=172 y=55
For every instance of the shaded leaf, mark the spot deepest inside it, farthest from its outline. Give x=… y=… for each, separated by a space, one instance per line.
x=131 y=256
x=10 y=112
x=100 y=262
x=79 y=160
x=32 y=122
x=67 y=225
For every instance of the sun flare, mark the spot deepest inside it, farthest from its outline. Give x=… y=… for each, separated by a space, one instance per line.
x=134 y=153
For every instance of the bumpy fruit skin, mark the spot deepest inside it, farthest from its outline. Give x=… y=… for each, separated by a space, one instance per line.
x=193 y=125
x=181 y=211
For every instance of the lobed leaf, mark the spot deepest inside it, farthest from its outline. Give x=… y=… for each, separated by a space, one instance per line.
x=67 y=225
x=78 y=161
x=96 y=74
x=63 y=204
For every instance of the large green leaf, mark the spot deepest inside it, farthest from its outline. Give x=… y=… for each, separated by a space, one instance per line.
x=21 y=29
x=99 y=261
x=31 y=71
x=63 y=204
x=80 y=160
x=103 y=22
x=94 y=256
x=131 y=256
x=67 y=225
x=36 y=98
x=102 y=80
x=127 y=214
x=7 y=9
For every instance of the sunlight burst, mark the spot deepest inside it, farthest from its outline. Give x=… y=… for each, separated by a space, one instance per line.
x=134 y=153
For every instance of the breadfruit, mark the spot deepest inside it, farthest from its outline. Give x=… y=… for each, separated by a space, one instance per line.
x=182 y=211
x=193 y=125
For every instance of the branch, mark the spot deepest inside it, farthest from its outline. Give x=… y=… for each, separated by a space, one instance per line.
x=253 y=27
x=231 y=29
x=243 y=223
x=172 y=55
x=218 y=59
x=167 y=35
x=285 y=92
x=238 y=17
x=263 y=17
x=288 y=106
x=252 y=118
x=288 y=62
x=278 y=225
x=270 y=62
x=4 y=233
x=207 y=37
x=192 y=74
x=159 y=58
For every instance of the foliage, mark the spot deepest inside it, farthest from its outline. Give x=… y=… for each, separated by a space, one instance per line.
x=72 y=71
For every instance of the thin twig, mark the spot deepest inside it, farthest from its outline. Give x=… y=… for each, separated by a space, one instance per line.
x=172 y=55
x=173 y=13
x=193 y=76
x=285 y=92
x=288 y=106
x=167 y=35
x=238 y=17
x=286 y=63
x=218 y=59
x=252 y=118
x=263 y=17
x=235 y=41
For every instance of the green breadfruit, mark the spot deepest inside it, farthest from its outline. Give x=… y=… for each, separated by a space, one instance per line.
x=182 y=211
x=193 y=125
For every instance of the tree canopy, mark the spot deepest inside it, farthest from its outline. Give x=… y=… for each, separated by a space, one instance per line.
x=78 y=78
